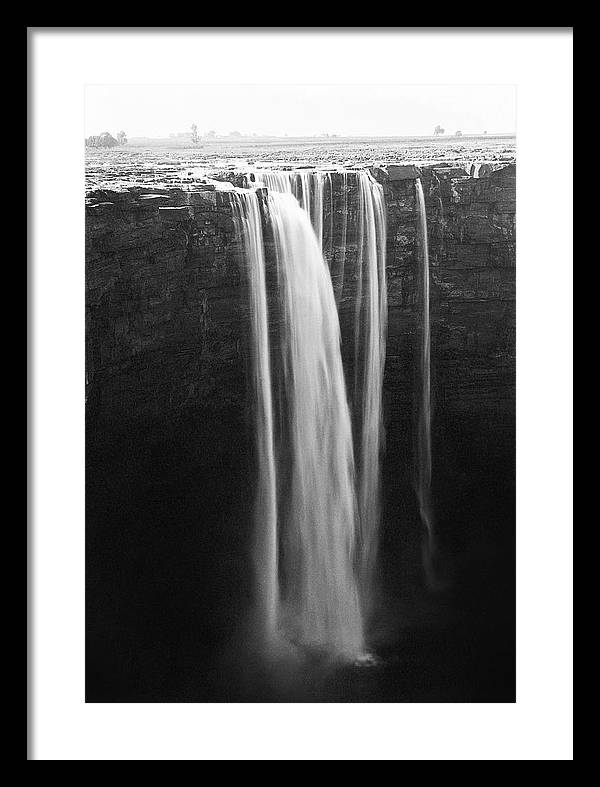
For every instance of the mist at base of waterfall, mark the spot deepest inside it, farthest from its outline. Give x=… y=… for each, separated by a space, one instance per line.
x=439 y=647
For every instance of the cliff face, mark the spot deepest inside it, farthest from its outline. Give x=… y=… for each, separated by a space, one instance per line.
x=166 y=309
x=168 y=454
x=471 y=229
x=163 y=296
x=166 y=302
x=169 y=447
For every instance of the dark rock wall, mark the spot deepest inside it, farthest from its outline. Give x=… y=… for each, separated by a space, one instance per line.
x=471 y=233
x=166 y=305
x=163 y=283
x=471 y=230
x=168 y=487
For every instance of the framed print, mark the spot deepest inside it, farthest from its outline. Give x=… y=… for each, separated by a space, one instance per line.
x=280 y=359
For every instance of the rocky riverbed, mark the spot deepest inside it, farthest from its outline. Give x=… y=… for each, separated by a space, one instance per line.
x=129 y=166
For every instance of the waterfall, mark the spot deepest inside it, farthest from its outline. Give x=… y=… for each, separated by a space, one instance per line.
x=424 y=414
x=320 y=516
x=370 y=342
x=338 y=262
x=321 y=597
x=247 y=216
x=370 y=326
x=307 y=186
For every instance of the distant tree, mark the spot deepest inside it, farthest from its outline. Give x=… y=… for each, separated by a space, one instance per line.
x=458 y=134
x=211 y=133
x=438 y=130
x=234 y=134
x=104 y=140
x=107 y=140
x=122 y=138
x=194 y=133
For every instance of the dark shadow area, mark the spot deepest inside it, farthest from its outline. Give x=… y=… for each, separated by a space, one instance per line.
x=169 y=575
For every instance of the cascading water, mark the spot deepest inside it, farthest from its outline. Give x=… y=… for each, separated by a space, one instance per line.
x=307 y=186
x=247 y=216
x=321 y=596
x=424 y=462
x=318 y=550
x=338 y=262
x=370 y=343
x=370 y=327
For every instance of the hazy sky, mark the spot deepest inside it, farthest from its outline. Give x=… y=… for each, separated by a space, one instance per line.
x=298 y=110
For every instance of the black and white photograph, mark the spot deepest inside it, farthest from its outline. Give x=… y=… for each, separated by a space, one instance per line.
x=300 y=393
x=299 y=337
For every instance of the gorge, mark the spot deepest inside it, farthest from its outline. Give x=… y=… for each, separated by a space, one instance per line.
x=224 y=389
